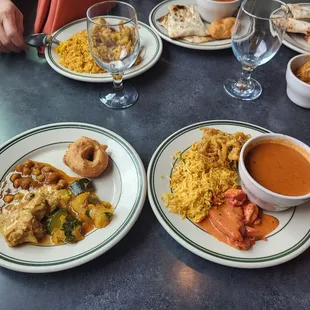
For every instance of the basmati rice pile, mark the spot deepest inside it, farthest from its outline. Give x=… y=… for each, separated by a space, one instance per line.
x=75 y=55
x=203 y=173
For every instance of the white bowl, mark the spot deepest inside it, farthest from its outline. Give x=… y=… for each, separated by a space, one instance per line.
x=211 y=10
x=297 y=90
x=258 y=194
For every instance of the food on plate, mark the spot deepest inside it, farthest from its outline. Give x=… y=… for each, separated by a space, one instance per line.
x=303 y=73
x=203 y=173
x=222 y=28
x=87 y=157
x=184 y=22
x=204 y=189
x=279 y=167
x=299 y=22
x=238 y=222
x=299 y=12
x=110 y=44
x=42 y=205
x=75 y=55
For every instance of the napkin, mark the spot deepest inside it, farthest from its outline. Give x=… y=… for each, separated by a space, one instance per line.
x=53 y=14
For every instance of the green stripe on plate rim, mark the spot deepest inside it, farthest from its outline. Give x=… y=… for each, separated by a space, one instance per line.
x=154 y=21
x=137 y=202
x=96 y=76
x=182 y=236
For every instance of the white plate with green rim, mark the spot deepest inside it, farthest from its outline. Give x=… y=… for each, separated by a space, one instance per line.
x=296 y=41
x=290 y=239
x=123 y=184
x=151 y=53
x=162 y=9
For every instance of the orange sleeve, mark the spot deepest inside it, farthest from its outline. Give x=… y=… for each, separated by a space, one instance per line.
x=53 y=14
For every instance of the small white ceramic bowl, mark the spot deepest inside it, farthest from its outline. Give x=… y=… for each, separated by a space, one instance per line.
x=297 y=90
x=258 y=194
x=211 y=10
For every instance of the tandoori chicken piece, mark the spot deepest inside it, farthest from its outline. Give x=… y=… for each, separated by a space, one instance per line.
x=235 y=197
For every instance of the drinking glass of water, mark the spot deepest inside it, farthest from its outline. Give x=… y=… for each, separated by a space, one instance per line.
x=114 y=42
x=256 y=38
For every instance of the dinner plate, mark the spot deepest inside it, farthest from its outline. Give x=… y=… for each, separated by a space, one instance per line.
x=123 y=184
x=291 y=238
x=149 y=40
x=296 y=41
x=162 y=9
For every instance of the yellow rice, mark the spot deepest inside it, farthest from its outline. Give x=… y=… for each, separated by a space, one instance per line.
x=203 y=173
x=75 y=55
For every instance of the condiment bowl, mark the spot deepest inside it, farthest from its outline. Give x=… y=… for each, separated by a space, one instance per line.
x=211 y=10
x=260 y=195
x=297 y=90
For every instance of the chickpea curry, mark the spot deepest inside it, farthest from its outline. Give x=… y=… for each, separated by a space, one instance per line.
x=42 y=205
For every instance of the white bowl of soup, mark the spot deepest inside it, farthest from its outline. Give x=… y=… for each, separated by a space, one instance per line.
x=275 y=171
x=211 y=10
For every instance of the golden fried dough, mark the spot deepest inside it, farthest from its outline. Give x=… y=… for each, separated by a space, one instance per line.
x=222 y=28
x=303 y=72
x=86 y=157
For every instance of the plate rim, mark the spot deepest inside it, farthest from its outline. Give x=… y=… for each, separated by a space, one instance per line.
x=291 y=45
x=183 y=240
x=99 y=79
x=180 y=43
x=120 y=232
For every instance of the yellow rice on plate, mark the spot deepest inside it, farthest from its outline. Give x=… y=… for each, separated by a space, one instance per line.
x=75 y=55
x=203 y=173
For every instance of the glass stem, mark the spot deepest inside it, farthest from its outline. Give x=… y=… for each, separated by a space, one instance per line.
x=244 y=82
x=118 y=81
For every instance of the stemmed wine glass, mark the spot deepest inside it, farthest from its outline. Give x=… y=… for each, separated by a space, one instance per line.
x=114 y=42
x=256 y=38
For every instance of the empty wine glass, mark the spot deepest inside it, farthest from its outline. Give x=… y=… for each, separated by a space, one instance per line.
x=113 y=38
x=256 y=38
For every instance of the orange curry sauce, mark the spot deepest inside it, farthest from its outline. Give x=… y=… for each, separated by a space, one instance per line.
x=267 y=224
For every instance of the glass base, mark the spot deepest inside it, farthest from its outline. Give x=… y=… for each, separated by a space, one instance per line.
x=119 y=99
x=243 y=91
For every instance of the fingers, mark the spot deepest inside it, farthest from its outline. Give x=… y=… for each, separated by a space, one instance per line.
x=3 y=49
x=11 y=28
x=12 y=32
x=19 y=18
x=6 y=42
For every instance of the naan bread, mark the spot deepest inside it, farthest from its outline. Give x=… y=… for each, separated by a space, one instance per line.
x=163 y=21
x=184 y=21
x=299 y=12
x=197 y=39
x=298 y=26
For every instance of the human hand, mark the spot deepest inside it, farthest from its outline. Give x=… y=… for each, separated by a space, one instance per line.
x=11 y=28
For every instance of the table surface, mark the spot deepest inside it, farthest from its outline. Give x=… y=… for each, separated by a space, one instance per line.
x=148 y=269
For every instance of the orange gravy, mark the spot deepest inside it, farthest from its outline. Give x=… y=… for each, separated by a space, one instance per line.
x=267 y=225
x=279 y=168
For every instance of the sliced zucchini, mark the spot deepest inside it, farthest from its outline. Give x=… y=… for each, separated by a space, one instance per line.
x=81 y=186
x=55 y=220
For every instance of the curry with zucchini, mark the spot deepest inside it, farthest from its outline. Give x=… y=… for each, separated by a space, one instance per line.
x=42 y=205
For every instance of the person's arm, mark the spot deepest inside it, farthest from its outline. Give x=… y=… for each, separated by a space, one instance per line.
x=11 y=28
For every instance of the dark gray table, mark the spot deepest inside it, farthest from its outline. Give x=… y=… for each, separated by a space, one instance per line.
x=148 y=269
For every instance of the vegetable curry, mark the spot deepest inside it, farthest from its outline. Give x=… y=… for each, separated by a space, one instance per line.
x=42 y=205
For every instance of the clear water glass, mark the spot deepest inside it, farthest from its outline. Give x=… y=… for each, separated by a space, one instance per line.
x=114 y=42
x=256 y=38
